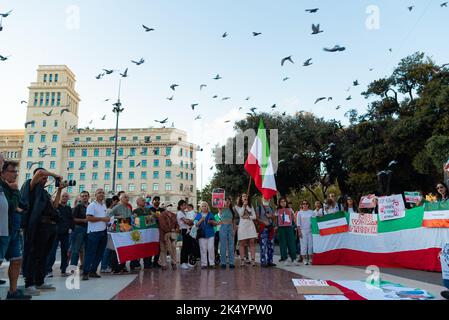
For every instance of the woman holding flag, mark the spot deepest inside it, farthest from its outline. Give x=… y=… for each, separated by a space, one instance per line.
x=247 y=233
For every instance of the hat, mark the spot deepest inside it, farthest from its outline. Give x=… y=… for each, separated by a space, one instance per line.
x=157 y=198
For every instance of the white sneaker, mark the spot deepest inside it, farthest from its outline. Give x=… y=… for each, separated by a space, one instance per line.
x=191 y=266
x=184 y=266
x=49 y=275
x=296 y=263
x=306 y=262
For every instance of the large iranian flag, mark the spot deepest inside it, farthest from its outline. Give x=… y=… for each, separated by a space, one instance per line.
x=136 y=244
x=401 y=243
x=332 y=224
x=436 y=215
x=259 y=165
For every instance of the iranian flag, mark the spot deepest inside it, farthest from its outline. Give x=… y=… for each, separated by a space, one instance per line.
x=436 y=215
x=400 y=243
x=332 y=224
x=136 y=244
x=259 y=165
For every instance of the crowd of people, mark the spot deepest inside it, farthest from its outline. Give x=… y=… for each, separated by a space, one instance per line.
x=34 y=224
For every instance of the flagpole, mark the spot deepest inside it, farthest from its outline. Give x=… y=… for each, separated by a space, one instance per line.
x=249 y=185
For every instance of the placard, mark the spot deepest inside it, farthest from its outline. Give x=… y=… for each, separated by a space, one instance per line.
x=444 y=257
x=391 y=207
x=368 y=202
x=412 y=197
x=218 y=198
x=365 y=224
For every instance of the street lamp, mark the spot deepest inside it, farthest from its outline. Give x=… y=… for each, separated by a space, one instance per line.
x=117 y=110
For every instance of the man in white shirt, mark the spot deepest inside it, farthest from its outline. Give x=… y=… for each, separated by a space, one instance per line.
x=97 y=237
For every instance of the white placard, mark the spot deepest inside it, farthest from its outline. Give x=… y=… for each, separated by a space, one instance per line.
x=309 y=283
x=391 y=207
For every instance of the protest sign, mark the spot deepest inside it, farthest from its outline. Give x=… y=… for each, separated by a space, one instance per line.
x=391 y=207
x=368 y=202
x=365 y=224
x=412 y=197
x=218 y=198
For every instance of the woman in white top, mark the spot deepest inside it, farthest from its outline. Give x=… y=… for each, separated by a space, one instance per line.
x=185 y=224
x=247 y=233
x=350 y=205
x=319 y=211
x=304 y=222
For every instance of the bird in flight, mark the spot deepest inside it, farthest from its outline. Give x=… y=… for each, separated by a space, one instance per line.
x=138 y=63
x=253 y=110
x=101 y=75
x=106 y=100
x=338 y=108
x=356 y=83
x=171 y=98
x=108 y=71
x=312 y=10
x=29 y=123
x=320 y=99
x=23 y=102
x=124 y=74
x=147 y=29
x=289 y=58
x=274 y=106
x=336 y=48
x=225 y=98
x=193 y=106
x=227 y=121
x=198 y=118
x=224 y=35
x=173 y=86
x=48 y=114
x=349 y=98
x=2 y=58
x=410 y=8
x=215 y=97
x=162 y=122
x=255 y=34
x=5 y=15
x=64 y=110
x=247 y=98
x=329 y=99
x=308 y=62
x=316 y=29
x=444 y=4
x=217 y=77
x=203 y=86
x=104 y=118
x=285 y=79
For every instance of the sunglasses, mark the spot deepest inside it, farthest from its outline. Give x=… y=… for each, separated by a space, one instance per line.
x=440 y=187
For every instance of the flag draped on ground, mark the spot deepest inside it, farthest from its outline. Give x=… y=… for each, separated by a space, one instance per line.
x=400 y=243
x=259 y=164
x=135 y=245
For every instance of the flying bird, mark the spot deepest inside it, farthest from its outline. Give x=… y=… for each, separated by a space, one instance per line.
x=198 y=118
x=162 y=122
x=29 y=123
x=227 y=121
x=124 y=74
x=253 y=110
x=171 y=98
x=247 y=98
x=217 y=77
x=203 y=86
x=255 y=34
x=336 y=48
x=308 y=62
x=48 y=114
x=106 y=100
x=349 y=98
x=108 y=71
x=225 y=98
x=320 y=99
x=173 y=86
x=64 y=110
x=147 y=29
x=23 y=102
x=224 y=35
x=104 y=118
x=444 y=4
x=138 y=63
x=289 y=58
x=101 y=75
x=193 y=106
x=312 y=10
x=329 y=99
x=5 y=15
x=316 y=29
x=215 y=97
x=410 y=8
x=273 y=106
x=2 y=58
x=285 y=79
x=338 y=108
x=356 y=83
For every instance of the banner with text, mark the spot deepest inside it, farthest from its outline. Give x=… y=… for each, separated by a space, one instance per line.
x=391 y=207
x=365 y=224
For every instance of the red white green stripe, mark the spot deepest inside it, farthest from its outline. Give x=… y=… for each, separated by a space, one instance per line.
x=259 y=165
x=436 y=215
x=332 y=224
x=127 y=249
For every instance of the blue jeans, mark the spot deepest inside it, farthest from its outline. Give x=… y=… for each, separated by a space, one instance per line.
x=446 y=283
x=79 y=239
x=226 y=243
x=266 y=247
x=96 y=244
x=106 y=261
x=64 y=239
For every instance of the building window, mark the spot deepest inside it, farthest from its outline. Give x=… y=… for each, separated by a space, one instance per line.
x=168 y=151
x=50 y=189
x=157 y=151
x=180 y=152
x=187 y=165
x=45 y=77
x=70 y=176
x=119 y=188
x=84 y=153
x=156 y=163
x=28 y=176
x=44 y=123
x=71 y=165
x=187 y=176
x=56 y=77
x=31 y=138
x=144 y=152
x=94 y=176
x=53 y=99
x=131 y=187
x=58 y=103
x=30 y=153
x=147 y=139
x=36 y=98
x=143 y=175
x=191 y=154
x=47 y=98
x=135 y=138
x=132 y=163
x=123 y=138
x=53 y=152
x=191 y=176
x=41 y=99
x=112 y=138
x=168 y=187
x=29 y=165
x=191 y=165
x=144 y=163
x=71 y=153
x=88 y=139
x=155 y=174
x=100 y=139
x=94 y=188
x=120 y=164
x=181 y=175
x=181 y=164
x=132 y=152
x=95 y=164
x=43 y=137
x=168 y=163
x=119 y=175
x=77 y=139
x=52 y=164
x=143 y=187
x=155 y=186
x=181 y=187
x=54 y=138
x=51 y=78
x=167 y=174
x=108 y=152
x=158 y=138
x=82 y=176
x=131 y=175
x=107 y=164
x=56 y=123
x=83 y=164
x=107 y=175
x=82 y=187
x=107 y=188
x=120 y=152
x=96 y=152
x=191 y=188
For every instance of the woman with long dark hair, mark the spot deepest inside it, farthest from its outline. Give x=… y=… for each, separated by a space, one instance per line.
x=350 y=205
x=247 y=233
x=227 y=226
x=286 y=232
x=187 y=241
x=442 y=192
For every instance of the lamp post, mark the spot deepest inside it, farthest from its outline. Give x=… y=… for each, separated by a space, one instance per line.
x=117 y=110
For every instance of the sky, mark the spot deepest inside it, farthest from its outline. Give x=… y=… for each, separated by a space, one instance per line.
x=187 y=48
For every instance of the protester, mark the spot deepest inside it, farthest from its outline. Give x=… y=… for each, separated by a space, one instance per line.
x=304 y=224
x=205 y=222
x=227 y=226
x=156 y=212
x=217 y=218
x=64 y=227
x=319 y=210
x=350 y=205
x=39 y=228
x=119 y=195
x=97 y=237
x=286 y=233
x=187 y=241
x=195 y=252
x=79 y=234
x=122 y=211
x=10 y=221
x=266 y=217
x=442 y=192
x=106 y=260
x=332 y=206
x=168 y=234
x=247 y=233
